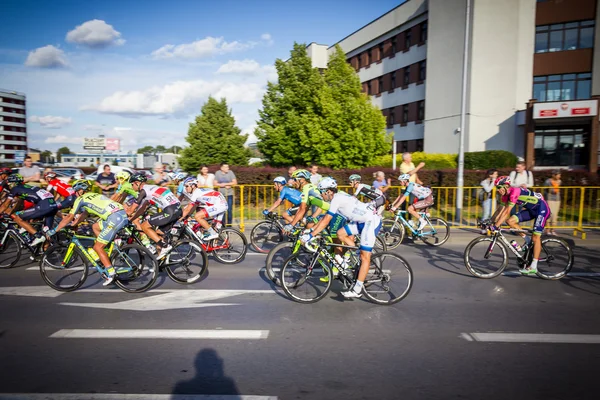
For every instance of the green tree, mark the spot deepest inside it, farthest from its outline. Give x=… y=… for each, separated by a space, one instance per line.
x=61 y=151
x=146 y=149
x=214 y=138
x=46 y=156
x=160 y=149
x=287 y=105
x=174 y=149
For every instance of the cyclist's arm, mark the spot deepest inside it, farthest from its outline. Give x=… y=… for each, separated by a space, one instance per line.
x=187 y=211
x=275 y=205
x=398 y=202
x=504 y=214
x=300 y=214
x=5 y=205
x=139 y=210
x=15 y=203
x=322 y=224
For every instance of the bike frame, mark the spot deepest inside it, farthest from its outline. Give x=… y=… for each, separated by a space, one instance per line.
x=84 y=250
x=400 y=217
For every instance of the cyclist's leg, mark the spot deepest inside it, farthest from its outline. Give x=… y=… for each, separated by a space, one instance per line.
x=113 y=224
x=288 y=216
x=201 y=216
x=543 y=213
x=368 y=235
x=414 y=209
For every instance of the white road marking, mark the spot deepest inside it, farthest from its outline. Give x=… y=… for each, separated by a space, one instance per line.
x=47 y=291
x=159 y=334
x=531 y=337
x=119 y=396
x=576 y=274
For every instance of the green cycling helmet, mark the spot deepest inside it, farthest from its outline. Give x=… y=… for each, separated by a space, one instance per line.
x=354 y=178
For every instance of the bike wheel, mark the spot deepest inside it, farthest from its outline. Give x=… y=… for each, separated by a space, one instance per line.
x=63 y=268
x=230 y=247
x=389 y=280
x=186 y=263
x=393 y=232
x=302 y=285
x=484 y=258
x=265 y=235
x=276 y=259
x=380 y=244
x=10 y=250
x=136 y=268
x=556 y=259
x=436 y=232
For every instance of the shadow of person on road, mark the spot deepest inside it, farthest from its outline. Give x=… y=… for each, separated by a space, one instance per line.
x=210 y=378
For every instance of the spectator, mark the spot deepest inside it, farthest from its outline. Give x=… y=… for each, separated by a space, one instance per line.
x=408 y=167
x=485 y=195
x=314 y=174
x=31 y=174
x=289 y=174
x=106 y=181
x=225 y=180
x=161 y=178
x=380 y=182
x=206 y=179
x=552 y=196
x=521 y=177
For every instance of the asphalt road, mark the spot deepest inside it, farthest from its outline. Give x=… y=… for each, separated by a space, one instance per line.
x=233 y=336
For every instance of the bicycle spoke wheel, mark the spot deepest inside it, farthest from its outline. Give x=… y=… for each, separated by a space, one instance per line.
x=302 y=284
x=63 y=268
x=389 y=280
x=276 y=259
x=10 y=250
x=265 y=236
x=436 y=232
x=186 y=263
x=392 y=232
x=136 y=268
x=484 y=260
x=556 y=259
x=230 y=247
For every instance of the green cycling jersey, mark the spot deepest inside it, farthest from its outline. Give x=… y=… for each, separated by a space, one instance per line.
x=96 y=204
x=312 y=197
x=127 y=188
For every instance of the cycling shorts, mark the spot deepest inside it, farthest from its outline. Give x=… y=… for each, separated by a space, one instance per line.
x=45 y=208
x=368 y=232
x=67 y=202
x=423 y=203
x=292 y=211
x=169 y=215
x=541 y=213
x=113 y=224
x=337 y=222
x=212 y=211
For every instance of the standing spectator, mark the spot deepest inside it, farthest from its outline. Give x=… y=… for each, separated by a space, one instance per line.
x=161 y=178
x=30 y=174
x=291 y=170
x=380 y=182
x=106 y=181
x=205 y=179
x=314 y=174
x=552 y=196
x=521 y=177
x=408 y=167
x=225 y=180
x=485 y=196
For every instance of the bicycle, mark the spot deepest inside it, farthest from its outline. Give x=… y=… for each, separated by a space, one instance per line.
x=435 y=233
x=12 y=243
x=267 y=232
x=302 y=274
x=494 y=262
x=135 y=266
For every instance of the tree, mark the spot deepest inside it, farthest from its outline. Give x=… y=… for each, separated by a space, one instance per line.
x=61 y=151
x=160 y=149
x=174 y=149
x=214 y=138
x=146 y=149
x=46 y=156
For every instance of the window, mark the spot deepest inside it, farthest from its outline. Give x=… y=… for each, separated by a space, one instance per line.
x=394 y=45
x=421 y=111
x=561 y=37
x=422 y=70
x=562 y=87
x=407 y=39
x=393 y=80
x=380 y=51
x=406 y=75
x=380 y=84
x=369 y=87
x=359 y=61
x=558 y=146
x=369 y=59
x=405 y=113
x=424 y=32
x=419 y=144
x=392 y=117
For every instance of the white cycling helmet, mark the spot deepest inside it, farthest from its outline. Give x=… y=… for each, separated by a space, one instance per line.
x=179 y=176
x=327 y=183
x=404 y=177
x=190 y=181
x=280 y=179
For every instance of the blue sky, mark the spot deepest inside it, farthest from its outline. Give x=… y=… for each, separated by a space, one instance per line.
x=140 y=70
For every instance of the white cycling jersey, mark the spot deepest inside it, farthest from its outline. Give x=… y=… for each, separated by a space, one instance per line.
x=351 y=208
x=157 y=195
x=208 y=198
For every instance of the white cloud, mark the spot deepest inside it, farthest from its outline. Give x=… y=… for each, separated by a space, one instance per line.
x=50 y=121
x=46 y=57
x=95 y=34
x=248 y=68
x=91 y=127
x=249 y=130
x=207 y=47
x=178 y=98
x=266 y=37
x=62 y=140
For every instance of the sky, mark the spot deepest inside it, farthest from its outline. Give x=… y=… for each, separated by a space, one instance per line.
x=140 y=70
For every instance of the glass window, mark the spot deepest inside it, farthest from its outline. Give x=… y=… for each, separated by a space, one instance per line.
x=369 y=59
x=570 y=39
x=584 y=75
x=541 y=42
x=553 y=91
x=406 y=75
x=392 y=117
x=380 y=84
x=586 y=38
x=422 y=70
x=369 y=87
x=424 y=31
x=380 y=51
x=405 y=113
x=555 y=41
x=394 y=45
x=565 y=149
x=539 y=91
x=540 y=78
x=571 y=25
x=421 y=111
x=359 y=61
x=588 y=23
x=407 y=39
x=393 y=80
x=584 y=89
x=554 y=77
x=557 y=27
x=568 y=90
x=561 y=37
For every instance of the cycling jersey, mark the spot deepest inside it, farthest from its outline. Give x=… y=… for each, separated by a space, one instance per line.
x=368 y=191
x=292 y=195
x=159 y=196
x=63 y=189
x=351 y=208
x=419 y=191
x=522 y=197
x=30 y=193
x=213 y=202
x=312 y=197
x=127 y=188
x=96 y=204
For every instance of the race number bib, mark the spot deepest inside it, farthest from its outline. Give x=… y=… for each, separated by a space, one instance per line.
x=171 y=199
x=113 y=208
x=43 y=194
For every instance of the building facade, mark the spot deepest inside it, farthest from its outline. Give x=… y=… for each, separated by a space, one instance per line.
x=13 y=125
x=524 y=56
x=138 y=161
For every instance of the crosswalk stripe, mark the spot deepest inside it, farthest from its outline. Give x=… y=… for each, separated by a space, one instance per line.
x=530 y=337
x=159 y=334
x=119 y=396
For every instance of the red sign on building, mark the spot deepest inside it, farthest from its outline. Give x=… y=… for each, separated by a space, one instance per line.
x=548 y=113
x=580 y=111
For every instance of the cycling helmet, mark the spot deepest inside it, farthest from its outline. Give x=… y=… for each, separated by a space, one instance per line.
x=327 y=183
x=5 y=171
x=190 y=181
x=179 y=176
x=301 y=173
x=404 y=177
x=354 y=178
x=280 y=179
x=502 y=181
x=15 y=178
x=123 y=176
x=138 y=177
x=48 y=176
x=81 y=184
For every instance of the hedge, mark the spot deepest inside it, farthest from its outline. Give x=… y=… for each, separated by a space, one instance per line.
x=482 y=160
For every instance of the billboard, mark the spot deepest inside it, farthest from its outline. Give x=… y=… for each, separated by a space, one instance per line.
x=113 y=144
x=94 y=143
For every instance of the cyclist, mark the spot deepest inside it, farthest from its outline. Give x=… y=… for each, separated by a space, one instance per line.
x=534 y=207
x=161 y=197
x=4 y=186
x=208 y=203
x=419 y=197
x=369 y=192
x=44 y=207
x=285 y=193
x=112 y=218
x=61 y=189
x=362 y=219
x=310 y=197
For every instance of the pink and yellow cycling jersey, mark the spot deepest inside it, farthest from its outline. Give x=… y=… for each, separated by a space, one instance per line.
x=522 y=197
